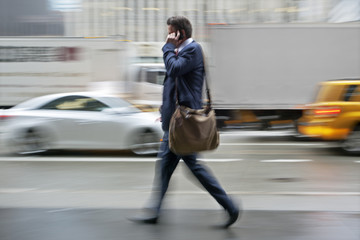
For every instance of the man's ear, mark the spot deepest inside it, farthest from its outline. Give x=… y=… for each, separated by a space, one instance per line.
x=183 y=33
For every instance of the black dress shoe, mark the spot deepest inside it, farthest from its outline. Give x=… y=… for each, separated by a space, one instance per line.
x=146 y=220
x=232 y=218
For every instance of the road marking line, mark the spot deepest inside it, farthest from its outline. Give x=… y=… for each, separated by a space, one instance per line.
x=60 y=210
x=357 y=161
x=220 y=159
x=286 y=160
x=101 y=191
x=245 y=133
x=92 y=159
x=17 y=190
x=276 y=193
x=274 y=144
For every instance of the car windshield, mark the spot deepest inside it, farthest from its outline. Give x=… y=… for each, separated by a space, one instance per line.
x=119 y=103
x=31 y=104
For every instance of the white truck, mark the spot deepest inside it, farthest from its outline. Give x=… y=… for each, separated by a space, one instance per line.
x=145 y=76
x=34 y=66
x=262 y=75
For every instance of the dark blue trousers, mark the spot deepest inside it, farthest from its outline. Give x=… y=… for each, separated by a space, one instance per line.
x=167 y=165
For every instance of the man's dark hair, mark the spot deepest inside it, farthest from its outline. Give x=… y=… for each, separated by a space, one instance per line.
x=181 y=22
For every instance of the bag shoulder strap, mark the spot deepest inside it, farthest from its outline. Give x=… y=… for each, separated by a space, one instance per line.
x=206 y=81
x=208 y=105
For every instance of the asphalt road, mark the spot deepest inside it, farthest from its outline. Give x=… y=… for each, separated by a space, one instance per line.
x=288 y=189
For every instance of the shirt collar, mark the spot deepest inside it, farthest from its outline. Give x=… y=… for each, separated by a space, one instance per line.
x=186 y=42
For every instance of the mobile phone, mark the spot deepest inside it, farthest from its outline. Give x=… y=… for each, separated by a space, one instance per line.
x=181 y=35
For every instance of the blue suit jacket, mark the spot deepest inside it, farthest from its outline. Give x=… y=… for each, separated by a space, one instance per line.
x=188 y=68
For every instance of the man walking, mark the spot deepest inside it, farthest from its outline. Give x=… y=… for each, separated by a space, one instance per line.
x=183 y=60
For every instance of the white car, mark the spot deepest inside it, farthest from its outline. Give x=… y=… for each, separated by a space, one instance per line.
x=79 y=121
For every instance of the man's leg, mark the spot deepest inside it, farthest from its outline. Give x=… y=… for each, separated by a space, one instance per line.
x=167 y=166
x=211 y=184
x=163 y=172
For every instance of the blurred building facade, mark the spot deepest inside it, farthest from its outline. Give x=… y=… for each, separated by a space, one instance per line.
x=145 y=20
x=30 y=18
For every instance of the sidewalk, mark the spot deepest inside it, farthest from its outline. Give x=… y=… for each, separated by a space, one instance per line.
x=109 y=224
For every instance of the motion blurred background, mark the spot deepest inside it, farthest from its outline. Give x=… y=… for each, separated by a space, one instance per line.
x=144 y=20
x=266 y=60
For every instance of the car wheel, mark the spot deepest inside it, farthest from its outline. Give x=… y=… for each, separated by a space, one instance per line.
x=31 y=141
x=145 y=143
x=351 y=144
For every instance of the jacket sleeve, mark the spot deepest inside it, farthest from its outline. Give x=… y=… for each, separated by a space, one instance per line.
x=181 y=64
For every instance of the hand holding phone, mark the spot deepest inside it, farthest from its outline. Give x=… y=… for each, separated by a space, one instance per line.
x=181 y=37
x=175 y=38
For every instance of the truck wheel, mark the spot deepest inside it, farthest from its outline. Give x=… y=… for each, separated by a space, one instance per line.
x=265 y=125
x=351 y=144
x=220 y=123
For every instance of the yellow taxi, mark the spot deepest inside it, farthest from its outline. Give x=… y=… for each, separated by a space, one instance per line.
x=335 y=114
